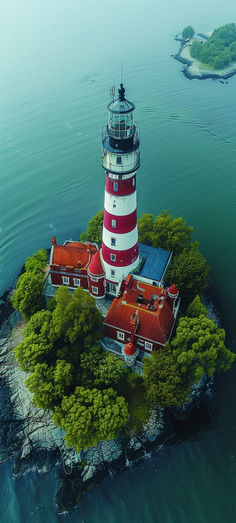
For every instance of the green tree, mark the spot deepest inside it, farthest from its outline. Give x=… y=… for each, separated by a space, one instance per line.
x=94 y=231
x=190 y=272
x=49 y=384
x=166 y=232
x=89 y=416
x=145 y=228
x=28 y=297
x=165 y=384
x=76 y=317
x=196 y=308
x=199 y=348
x=31 y=351
x=101 y=369
x=188 y=32
x=37 y=262
x=219 y=50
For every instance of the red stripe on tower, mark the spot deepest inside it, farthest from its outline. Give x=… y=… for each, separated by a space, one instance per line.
x=120 y=187
x=120 y=224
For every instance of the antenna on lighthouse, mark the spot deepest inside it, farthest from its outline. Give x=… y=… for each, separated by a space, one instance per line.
x=121 y=70
x=112 y=92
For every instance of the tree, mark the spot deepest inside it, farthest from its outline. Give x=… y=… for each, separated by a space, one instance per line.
x=94 y=231
x=36 y=262
x=89 y=416
x=190 y=272
x=166 y=232
x=165 y=384
x=76 y=318
x=31 y=351
x=199 y=348
x=196 y=308
x=49 y=384
x=188 y=32
x=28 y=298
x=145 y=229
x=219 y=50
x=101 y=369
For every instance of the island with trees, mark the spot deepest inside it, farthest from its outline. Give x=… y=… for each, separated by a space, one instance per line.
x=105 y=412
x=90 y=393
x=210 y=55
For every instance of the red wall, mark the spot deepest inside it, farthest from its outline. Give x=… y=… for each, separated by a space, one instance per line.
x=111 y=332
x=99 y=285
x=56 y=278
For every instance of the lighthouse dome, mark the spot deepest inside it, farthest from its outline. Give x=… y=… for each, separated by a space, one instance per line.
x=121 y=105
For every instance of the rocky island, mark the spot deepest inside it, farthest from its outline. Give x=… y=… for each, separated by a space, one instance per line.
x=208 y=55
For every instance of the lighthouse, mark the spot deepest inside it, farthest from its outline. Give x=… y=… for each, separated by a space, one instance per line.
x=120 y=160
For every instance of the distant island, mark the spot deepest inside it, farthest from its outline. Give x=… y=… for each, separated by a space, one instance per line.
x=211 y=55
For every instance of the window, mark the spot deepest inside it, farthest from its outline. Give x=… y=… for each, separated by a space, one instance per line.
x=113 y=257
x=113 y=272
x=115 y=186
x=133 y=182
x=65 y=280
x=93 y=278
x=76 y=282
x=112 y=288
x=148 y=345
x=113 y=241
x=118 y=160
x=94 y=290
x=120 y=335
x=113 y=224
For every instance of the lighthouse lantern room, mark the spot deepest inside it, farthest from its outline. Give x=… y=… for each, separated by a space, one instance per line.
x=121 y=160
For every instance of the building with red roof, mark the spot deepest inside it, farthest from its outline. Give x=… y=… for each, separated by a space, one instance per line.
x=69 y=263
x=142 y=317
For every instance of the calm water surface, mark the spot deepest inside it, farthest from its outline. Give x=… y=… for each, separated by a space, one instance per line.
x=57 y=63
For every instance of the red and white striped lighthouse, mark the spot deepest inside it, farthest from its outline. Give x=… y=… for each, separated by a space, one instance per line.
x=121 y=160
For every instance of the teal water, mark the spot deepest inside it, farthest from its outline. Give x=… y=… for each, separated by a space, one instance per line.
x=57 y=64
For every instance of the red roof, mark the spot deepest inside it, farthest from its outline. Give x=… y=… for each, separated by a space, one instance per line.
x=130 y=349
x=73 y=254
x=155 y=314
x=95 y=267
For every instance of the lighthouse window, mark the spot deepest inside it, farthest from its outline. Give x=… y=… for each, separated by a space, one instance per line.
x=120 y=335
x=113 y=272
x=65 y=280
x=76 y=282
x=113 y=224
x=113 y=241
x=133 y=182
x=113 y=257
x=94 y=290
x=115 y=186
x=118 y=160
